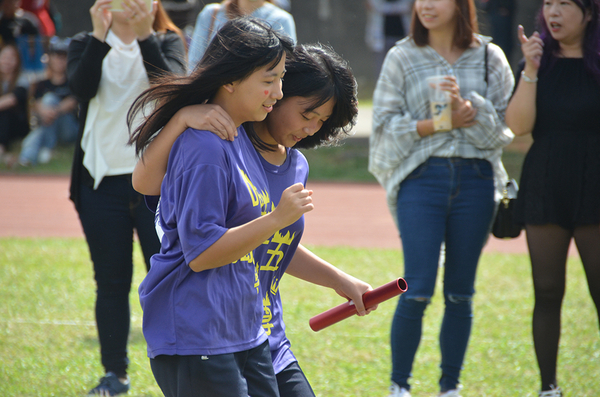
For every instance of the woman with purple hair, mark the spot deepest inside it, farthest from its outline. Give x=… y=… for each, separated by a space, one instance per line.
x=557 y=100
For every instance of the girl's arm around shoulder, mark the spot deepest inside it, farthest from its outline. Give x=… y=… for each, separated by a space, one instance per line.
x=84 y=65
x=309 y=267
x=150 y=169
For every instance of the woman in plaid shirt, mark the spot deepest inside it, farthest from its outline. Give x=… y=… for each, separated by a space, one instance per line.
x=441 y=185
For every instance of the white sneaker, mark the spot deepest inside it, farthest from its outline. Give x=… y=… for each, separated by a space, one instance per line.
x=397 y=391
x=45 y=155
x=553 y=392
x=451 y=393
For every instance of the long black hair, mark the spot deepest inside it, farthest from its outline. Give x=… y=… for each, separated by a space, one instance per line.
x=241 y=46
x=591 y=39
x=317 y=72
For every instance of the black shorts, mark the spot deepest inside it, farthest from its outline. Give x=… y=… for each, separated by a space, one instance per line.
x=246 y=373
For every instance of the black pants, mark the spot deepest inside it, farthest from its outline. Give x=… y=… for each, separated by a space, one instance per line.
x=293 y=383
x=12 y=127
x=246 y=373
x=109 y=215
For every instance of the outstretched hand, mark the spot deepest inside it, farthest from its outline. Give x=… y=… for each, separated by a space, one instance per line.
x=353 y=289
x=532 y=48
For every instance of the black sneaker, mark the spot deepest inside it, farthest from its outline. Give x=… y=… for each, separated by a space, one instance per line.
x=110 y=385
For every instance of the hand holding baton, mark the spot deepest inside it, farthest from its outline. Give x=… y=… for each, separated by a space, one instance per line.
x=370 y=299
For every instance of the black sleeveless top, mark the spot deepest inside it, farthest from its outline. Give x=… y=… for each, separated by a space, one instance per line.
x=560 y=180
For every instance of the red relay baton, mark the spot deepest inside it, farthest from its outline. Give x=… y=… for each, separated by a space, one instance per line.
x=370 y=299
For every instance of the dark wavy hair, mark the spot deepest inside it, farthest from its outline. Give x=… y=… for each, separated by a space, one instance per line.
x=591 y=40
x=466 y=25
x=241 y=46
x=318 y=73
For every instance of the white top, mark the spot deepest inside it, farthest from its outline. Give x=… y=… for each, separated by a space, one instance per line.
x=106 y=134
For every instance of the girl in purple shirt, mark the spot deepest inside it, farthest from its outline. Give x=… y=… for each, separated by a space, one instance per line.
x=202 y=308
x=319 y=107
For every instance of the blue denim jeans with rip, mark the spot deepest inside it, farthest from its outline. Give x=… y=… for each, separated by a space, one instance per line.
x=444 y=202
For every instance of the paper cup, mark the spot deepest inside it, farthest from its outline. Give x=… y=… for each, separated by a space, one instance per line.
x=440 y=102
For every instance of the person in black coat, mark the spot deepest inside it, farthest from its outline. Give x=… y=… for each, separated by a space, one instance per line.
x=107 y=69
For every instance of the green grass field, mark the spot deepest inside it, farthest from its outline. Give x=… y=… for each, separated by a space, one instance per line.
x=48 y=343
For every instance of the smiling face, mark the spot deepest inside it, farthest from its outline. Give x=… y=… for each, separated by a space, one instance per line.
x=565 y=21
x=291 y=120
x=436 y=15
x=253 y=98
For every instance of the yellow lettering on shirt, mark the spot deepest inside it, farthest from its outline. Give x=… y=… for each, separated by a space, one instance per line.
x=259 y=198
x=249 y=257
x=276 y=253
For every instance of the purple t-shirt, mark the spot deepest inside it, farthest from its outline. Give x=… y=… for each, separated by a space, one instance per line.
x=204 y=193
x=274 y=257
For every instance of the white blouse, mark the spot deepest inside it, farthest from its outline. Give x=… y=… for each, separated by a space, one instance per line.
x=106 y=134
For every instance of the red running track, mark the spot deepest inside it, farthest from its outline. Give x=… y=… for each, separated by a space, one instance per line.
x=353 y=215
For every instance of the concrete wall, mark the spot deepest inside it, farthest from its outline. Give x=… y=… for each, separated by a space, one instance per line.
x=340 y=23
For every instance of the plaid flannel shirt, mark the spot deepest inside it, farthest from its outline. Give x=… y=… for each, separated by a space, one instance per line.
x=401 y=98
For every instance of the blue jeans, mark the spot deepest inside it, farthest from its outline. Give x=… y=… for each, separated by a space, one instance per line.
x=451 y=201
x=63 y=129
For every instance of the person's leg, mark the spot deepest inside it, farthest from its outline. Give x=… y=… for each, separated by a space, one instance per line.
x=422 y=206
x=7 y=124
x=257 y=369
x=67 y=128
x=31 y=145
x=106 y=221
x=469 y=219
x=165 y=371
x=199 y=376
x=50 y=136
x=293 y=383
x=548 y=249
x=587 y=239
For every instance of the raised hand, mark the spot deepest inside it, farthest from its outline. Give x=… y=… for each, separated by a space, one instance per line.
x=140 y=17
x=533 y=49
x=101 y=18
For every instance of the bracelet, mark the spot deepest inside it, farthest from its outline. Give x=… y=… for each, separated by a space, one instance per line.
x=528 y=79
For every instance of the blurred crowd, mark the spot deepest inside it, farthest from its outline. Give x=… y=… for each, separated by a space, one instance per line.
x=36 y=107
